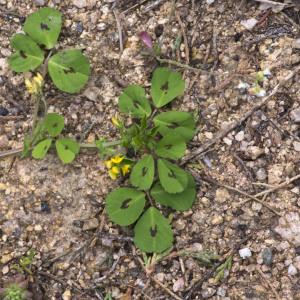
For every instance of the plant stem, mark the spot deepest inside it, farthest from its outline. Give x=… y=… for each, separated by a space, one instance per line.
x=93 y=146
x=180 y=65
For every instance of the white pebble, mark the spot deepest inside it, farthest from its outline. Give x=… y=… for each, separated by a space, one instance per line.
x=244 y=253
x=292 y=270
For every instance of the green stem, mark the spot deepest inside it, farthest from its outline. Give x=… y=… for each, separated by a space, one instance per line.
x=105 y=145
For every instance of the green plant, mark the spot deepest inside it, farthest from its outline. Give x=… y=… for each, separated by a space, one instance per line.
x=68 y=69
x=25 y=262
x=14 y=292
x=154 y=141
x=226 y=266
x=157 y=140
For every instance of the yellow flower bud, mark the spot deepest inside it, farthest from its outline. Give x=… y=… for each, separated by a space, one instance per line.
x=125 y=169
x=117 y=159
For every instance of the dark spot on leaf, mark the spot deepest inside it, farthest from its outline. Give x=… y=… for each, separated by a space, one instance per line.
x=45 y=147
x=136 y=105
x=69 y=70
x=144 y=171
x=153 y=231
x=23 y=55
x=165 y=86
x=168 y=147
x=66 y=147
x=172 y=174
x=125 y=203
x=44 y=26
x=173 y=125
x=54 y=125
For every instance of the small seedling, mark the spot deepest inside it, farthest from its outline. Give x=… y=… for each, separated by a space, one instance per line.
x=226 y=266
x=14 y=292
x=25 y=262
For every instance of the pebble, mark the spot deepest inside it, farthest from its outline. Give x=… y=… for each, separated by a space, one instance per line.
x=267 y=256
x=80 y=3
x=6 y=258
x=249 y=23
x=217 y=220
x=255 y=152
x=289 y=228
x=256 y=206
x=3 y=141
x=39 y=2
x=222 y=195
x=178 y=285
x=3 y=111
x=295 y=115
x=261 y=174
x=244 y=253
x=208 y=292
x=90 y=224
x=292 y=270
x=160 y=277
x=5 y=270
x=67 y=295
x=38 y=228
x=240 y=136
x=296 y=146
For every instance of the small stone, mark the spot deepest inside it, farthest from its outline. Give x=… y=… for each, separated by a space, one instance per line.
x=92 y=93
x=296 y=146
x=180 y=224
x=3 y=111
x=160 y=277
x=255 y=152
x=3 y=141
x=5 y=270
x=256 y=206
x=244 y=253
x=217 y=220
x=222 y=195
x=90 y=224
x=275 y=174
x=295 y=115
x=38 y=228
x=267 y=256
x=240 y=136
x=249 y=23
x=221 y=292
x=80 y=3
x=6 y=258
x=45 y=208
x=292 y=270
x=297 y=250
x=101 y=26
x=67 y=295
x=208 y=292
x=261 y=174
x=178 y=285
x=39 y=2
x=227 y=141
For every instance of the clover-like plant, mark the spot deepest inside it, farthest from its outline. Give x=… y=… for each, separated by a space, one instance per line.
x=68 y=69
x=158 y=140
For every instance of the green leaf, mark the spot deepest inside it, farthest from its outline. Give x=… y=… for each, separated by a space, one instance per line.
x=69 y=70
x=44 y=26
x=133 y=101
x=125 y=205
x=171 y=146
x=28 y=55
x=180 y=201
x=181 y=122
x=66 y=150
x=166 y=86
x=172 y=178
x=41 y=149
x=54 y=124
x=153 y=232
x=142 y=173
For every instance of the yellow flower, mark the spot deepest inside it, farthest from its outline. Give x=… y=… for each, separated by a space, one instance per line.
x=115 y=121
x=114 y=172
x=112 y=175
x=38 y=79
x=29 y=86
x=34 y=86
x=117 y=159
x=125 y=169
x=108 y=164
